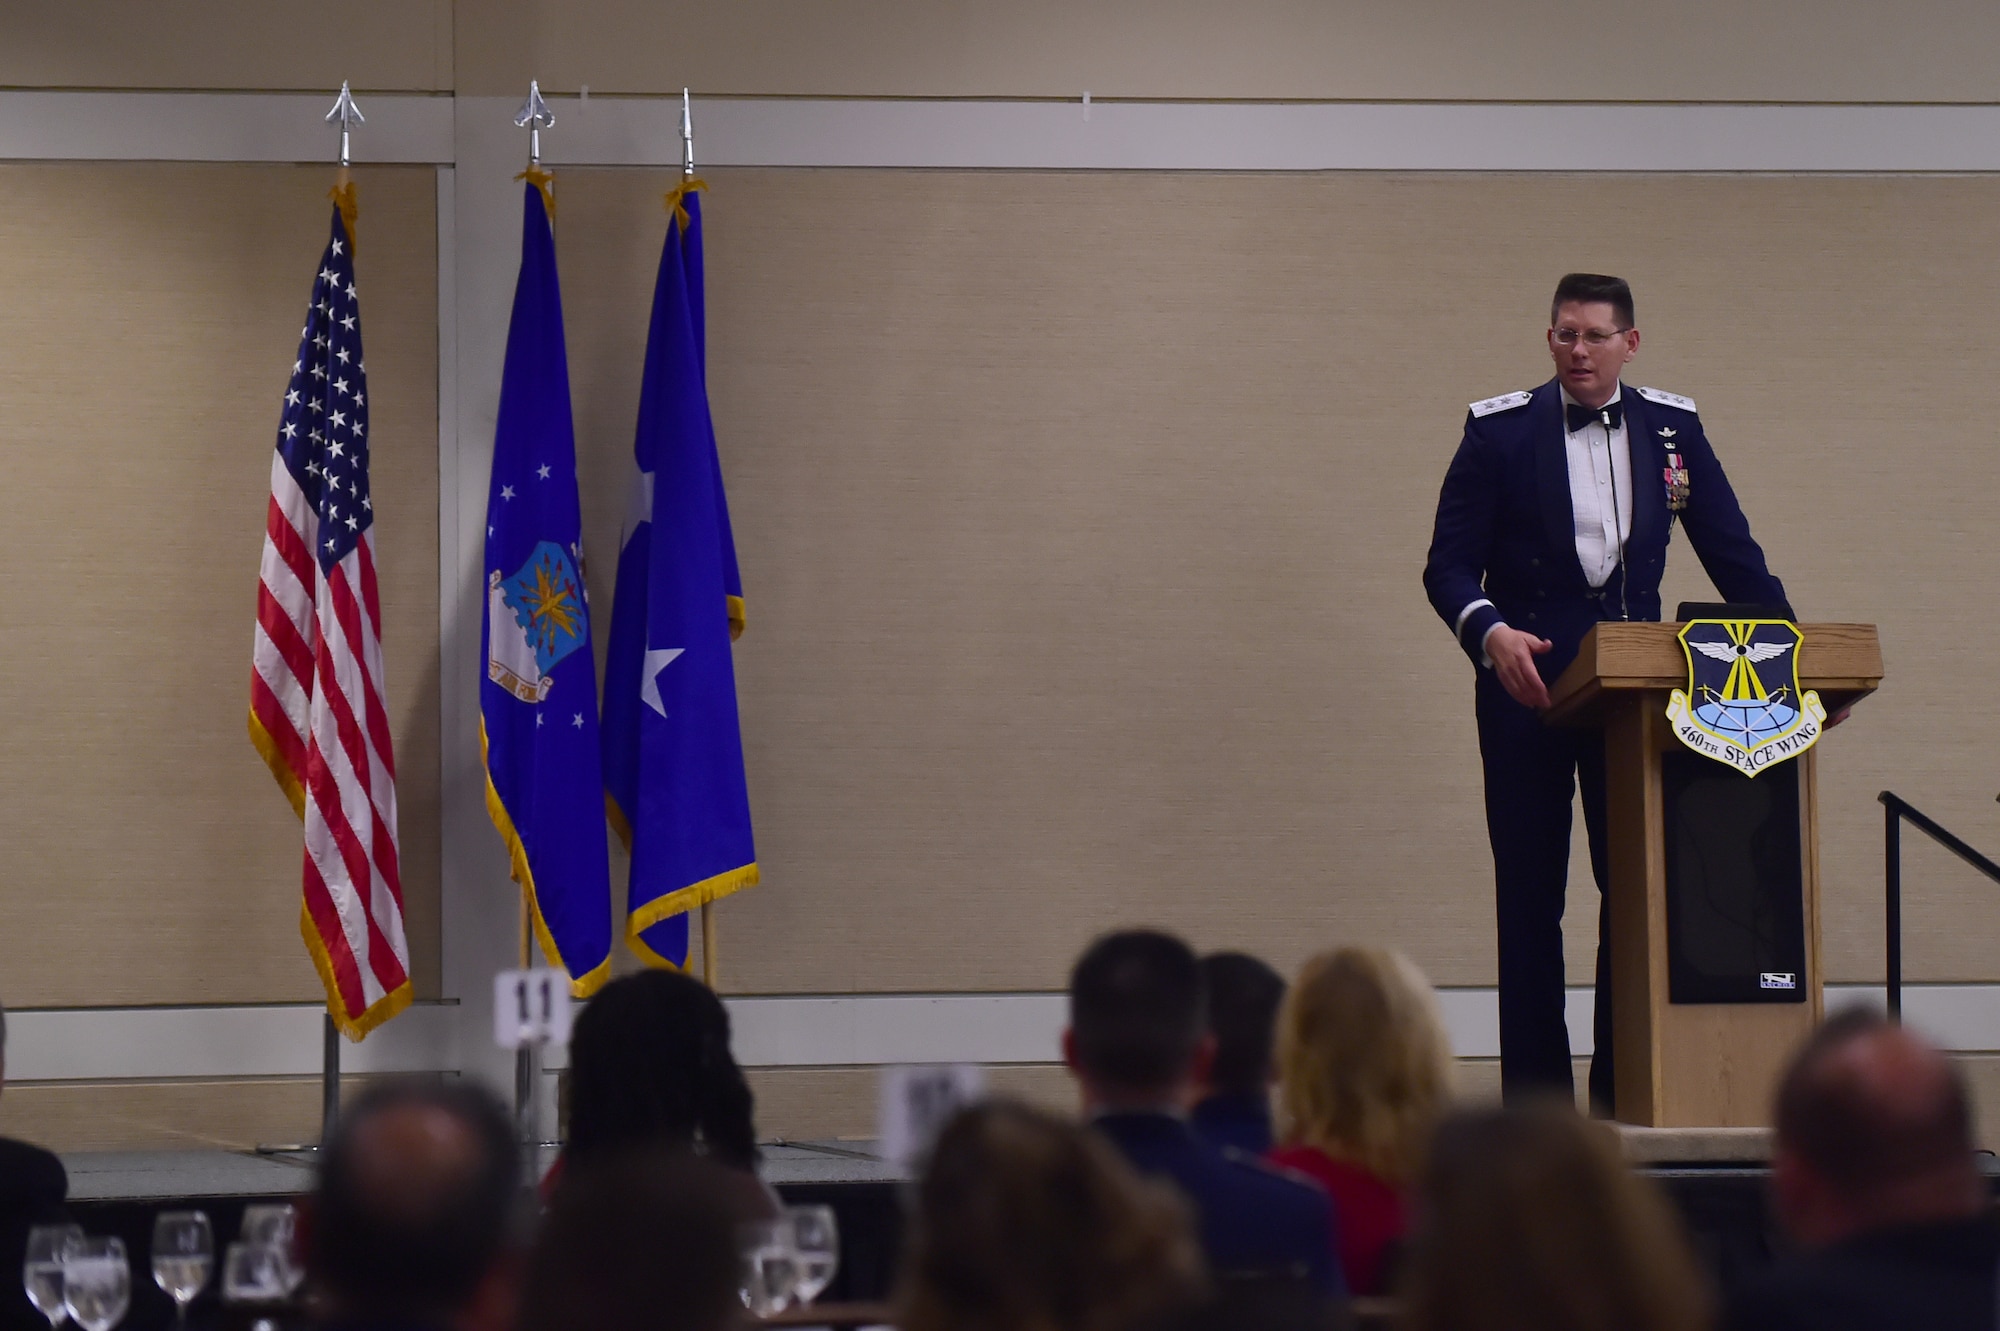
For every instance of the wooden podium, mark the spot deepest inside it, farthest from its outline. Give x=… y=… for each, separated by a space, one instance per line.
x=1703 y=1064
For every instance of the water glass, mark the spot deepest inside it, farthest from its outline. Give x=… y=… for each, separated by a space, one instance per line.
x=816 y=1244
x=256 y=1273
x=97 y=1282
x=275 y=1225
x=41 y=1269
x=268 y=1222
x=183 y=1257
x=770 y=1266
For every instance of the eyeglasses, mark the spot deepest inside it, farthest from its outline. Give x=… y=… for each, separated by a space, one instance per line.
x=1594 y=337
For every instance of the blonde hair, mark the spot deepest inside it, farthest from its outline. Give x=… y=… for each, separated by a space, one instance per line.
x=1529 y=1220
x=1026 y=1222
x=1364 y=1067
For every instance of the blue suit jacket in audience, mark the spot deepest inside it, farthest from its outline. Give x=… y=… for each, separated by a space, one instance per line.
x=32 y=1190
x=1933 y=1277
x=1237 y=1121
x=1255 y=1220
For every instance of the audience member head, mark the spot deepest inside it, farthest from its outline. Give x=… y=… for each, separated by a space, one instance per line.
x=1529 y=1220
x=638 y=1241
x=414 y=1217
x=1137 y=1035
x=1365 y=1068
x=1025 y=1222
x=1874 y=1129
x=650 y=1065
x=1243 y=998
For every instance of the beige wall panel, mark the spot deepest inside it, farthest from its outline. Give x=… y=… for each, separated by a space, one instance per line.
x=152 y=314
x=1704 y=50
x=386 y=45
x=838 y=1104
x=1081 y=519
x=224 y=1115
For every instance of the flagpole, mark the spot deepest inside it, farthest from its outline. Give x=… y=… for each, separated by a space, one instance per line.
x=711 y=971
x=347 y=115
x=534 y=116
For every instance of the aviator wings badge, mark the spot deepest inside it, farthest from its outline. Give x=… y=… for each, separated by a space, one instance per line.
x=1743 y=704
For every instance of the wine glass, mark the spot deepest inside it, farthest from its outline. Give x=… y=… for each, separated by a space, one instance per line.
x=41 y=1269
x=275 y=1225
x=97 y=1282
x=183 y=1257
x=816 y=1244
x=770 y=1267
x=255 y=1273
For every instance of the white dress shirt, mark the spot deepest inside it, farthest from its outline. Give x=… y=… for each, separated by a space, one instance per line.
x=1600 y=493
x=1600 y=500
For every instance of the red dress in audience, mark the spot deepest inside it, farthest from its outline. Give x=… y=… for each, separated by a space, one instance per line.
x=1370 y=1215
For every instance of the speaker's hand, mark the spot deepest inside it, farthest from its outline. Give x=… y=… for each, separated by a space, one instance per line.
x=1513 y=655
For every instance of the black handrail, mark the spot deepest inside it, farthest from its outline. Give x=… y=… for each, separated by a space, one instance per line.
x=1895 y=809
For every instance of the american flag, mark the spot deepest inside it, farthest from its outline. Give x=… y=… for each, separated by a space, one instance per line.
x=316 y=691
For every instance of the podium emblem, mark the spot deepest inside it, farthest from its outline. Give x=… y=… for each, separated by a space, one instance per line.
x=1743 y=704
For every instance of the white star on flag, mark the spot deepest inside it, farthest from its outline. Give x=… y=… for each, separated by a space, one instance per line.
x=649 y=676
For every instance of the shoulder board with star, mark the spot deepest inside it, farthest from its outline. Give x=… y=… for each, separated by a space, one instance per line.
x=1505 y=402
x=1666 y=399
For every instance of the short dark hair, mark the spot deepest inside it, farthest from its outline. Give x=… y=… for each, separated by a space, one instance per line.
x=1841 y=1128
x=1591 y=289
x=1136 y=1009
x=650 y=1064
x=389 y=1242
x=638 y=1241
x=1244 y=995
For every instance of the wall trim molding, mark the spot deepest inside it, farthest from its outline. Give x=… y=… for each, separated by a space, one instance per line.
x=778 y=1031
x=1024 y=134
x=217 y=127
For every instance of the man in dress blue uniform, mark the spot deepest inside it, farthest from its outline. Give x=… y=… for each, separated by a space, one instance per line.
x=1138 y=1044
x=1556 y=514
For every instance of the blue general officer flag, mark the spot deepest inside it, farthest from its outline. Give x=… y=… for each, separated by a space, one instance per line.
x=673 y=753
x=538 y=699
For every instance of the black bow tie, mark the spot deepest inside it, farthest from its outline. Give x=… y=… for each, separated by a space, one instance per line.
x=1579 y=416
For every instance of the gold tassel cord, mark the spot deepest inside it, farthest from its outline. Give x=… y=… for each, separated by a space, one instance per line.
x=545 y=181
x=343 y=197
x=677 y=200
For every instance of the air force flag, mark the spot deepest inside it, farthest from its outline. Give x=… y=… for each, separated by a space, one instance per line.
x=673 y=755
x=538 y=691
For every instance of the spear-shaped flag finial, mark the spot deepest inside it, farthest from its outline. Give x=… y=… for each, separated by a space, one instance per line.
x=535 y=116
x=347 y=114
x=687 y=135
